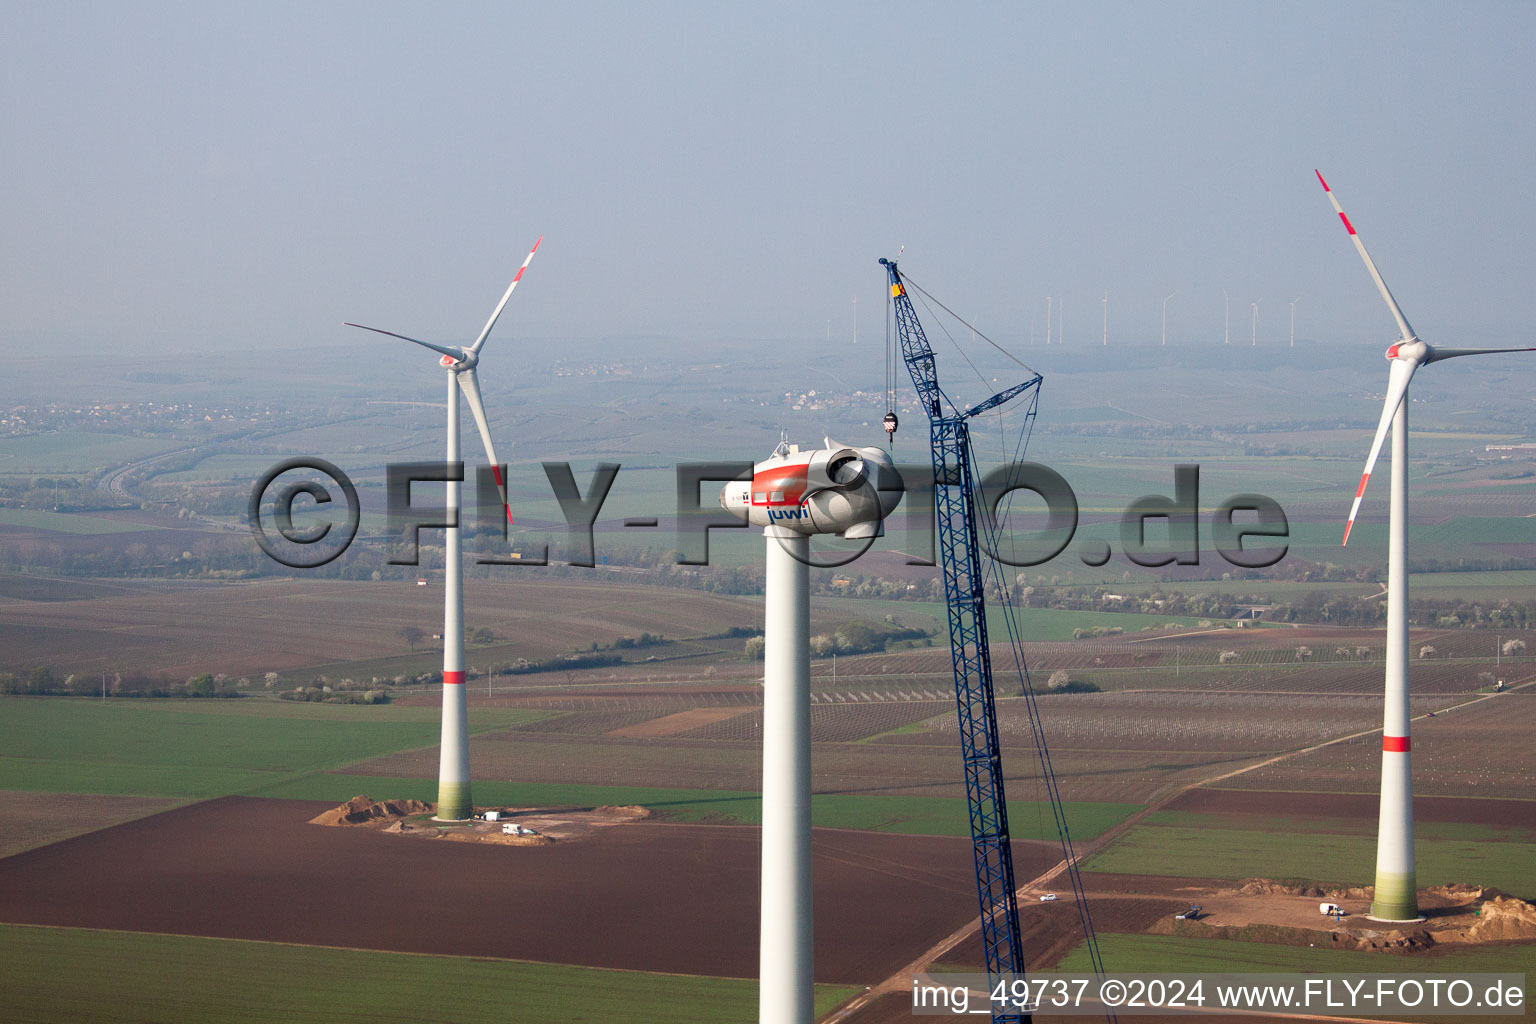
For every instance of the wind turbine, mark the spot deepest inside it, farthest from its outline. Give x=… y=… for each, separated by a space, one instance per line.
x=1106 y=318
x=795 y=495
x=1293 y=320
x=453 y=802
x=1165 y=315
x=1396 y=886
x=1255 y=340
x=1227 y=338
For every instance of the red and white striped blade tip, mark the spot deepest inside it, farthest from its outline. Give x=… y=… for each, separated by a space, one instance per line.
x=1354 y=509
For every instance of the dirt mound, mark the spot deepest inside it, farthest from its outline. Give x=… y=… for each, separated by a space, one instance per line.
x=634 y=811
x=362 y=810
x=1267 y=887
x=1500 y=918
x=1505 y=918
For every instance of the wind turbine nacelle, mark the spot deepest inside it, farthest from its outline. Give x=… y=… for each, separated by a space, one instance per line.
x=836 y=489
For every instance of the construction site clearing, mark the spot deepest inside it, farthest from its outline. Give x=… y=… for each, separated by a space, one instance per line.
x=1266 y=911
x=501 y=826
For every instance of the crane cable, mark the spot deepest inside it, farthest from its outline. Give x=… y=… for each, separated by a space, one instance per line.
x=913 y=284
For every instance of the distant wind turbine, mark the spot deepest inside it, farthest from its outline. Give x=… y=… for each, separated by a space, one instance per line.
x=1227 y=338
x=1255 y=324
x=1165 y=316
x=1293 y=320
x=453 y=798
x=1106 y=318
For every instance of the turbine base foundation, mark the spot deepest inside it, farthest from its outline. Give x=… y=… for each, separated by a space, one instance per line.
x=1396 y=899
x=453 y=803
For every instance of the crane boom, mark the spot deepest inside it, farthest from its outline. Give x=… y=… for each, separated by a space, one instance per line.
x=955 y=493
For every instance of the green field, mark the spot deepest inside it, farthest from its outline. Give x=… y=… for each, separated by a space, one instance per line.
x=201 y=748
x=937 y=816
x=71 y=974
x=1282 y=854
x=61 y=522
x=1131 y=954
x=220 y=468
x=198 y=749
x=1340 y=826
x=65 y=452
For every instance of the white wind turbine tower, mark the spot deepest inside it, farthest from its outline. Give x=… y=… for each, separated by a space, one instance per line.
x=453 y=800
x=1255 y=341
x=794 y=495
x=1227 y=338
x=1396 y=886
x=1293 y=320
x=1165 y=316
x=1106 y=318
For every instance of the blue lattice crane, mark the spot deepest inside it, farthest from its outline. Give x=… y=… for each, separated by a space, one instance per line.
x=955 y=496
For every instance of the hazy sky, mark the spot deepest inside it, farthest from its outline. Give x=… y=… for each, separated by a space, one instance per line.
x=230 y=176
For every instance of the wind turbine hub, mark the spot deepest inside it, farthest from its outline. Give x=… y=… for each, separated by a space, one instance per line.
x=1414 y=349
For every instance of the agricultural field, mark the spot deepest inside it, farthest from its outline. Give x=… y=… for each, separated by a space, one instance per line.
x=830 y=723
x=1480 y=750
x=1327 y=838
x=1235 y=723
x=16 y=586
x=198 y=748
x=75 y=452
x=60 y=522
x=1282 y=853
x=197 y=871
x=293 y=625
x=90 y=974
x=902 y=760
x=32 y=819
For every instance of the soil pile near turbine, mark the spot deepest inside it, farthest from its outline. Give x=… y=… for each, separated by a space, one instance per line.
x=362 y=810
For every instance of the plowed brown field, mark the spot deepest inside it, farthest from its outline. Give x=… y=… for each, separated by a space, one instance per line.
x=678 y=898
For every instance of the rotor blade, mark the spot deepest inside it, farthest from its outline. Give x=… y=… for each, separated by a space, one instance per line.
x=1398 y=376
x=1436 y=354
x=1386 y=293
x=486 y=333
x=469 y=383
x=454 y=352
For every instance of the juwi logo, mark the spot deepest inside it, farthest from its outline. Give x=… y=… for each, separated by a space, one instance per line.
x=779 y=514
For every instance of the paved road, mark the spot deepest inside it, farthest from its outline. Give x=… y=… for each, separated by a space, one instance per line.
x=113 y=480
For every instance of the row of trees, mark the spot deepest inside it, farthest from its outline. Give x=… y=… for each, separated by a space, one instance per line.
x=851 y=638
x=41 y=681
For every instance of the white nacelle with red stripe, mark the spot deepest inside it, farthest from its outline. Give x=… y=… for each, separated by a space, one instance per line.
x=835 y=489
